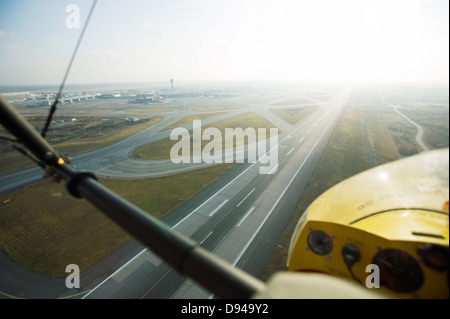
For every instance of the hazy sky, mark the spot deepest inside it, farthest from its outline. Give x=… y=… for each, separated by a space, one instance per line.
x=146 y=41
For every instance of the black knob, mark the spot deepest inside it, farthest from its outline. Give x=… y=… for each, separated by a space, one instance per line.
x=351 y=254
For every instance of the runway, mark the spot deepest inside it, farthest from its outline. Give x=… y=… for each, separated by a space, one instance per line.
x=238 y=218
x=240 y=222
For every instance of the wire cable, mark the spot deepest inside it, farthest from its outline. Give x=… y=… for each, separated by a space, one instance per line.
x=58 y=95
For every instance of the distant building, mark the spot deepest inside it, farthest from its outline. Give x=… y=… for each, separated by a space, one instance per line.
x=16 y=96
x=131 y=119
x=147 y=98
x=66 y=120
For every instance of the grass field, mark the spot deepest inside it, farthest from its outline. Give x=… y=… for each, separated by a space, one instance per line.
x=161 y=149
x=435 y=122
x=293 y=102
x=378 y=120
x=149 y=110
x=188 y=120
x=404 y=138
x=62 y=230
x=294 y=115
x=86 y=134
x=347 y=153
x=214 y=108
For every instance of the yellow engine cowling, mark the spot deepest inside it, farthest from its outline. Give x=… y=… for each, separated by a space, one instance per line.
x=386 y=228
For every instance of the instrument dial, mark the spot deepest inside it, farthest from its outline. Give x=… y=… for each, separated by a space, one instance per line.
x=320 y=242
x=398 y=270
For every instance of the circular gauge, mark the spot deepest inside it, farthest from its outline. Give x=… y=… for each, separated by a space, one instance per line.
x=398 y=270
x=320 y=242
x=434 y=256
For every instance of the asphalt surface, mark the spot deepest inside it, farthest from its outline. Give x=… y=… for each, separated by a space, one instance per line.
x=238 y=218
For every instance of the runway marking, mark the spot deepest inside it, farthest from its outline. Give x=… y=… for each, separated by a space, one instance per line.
x=290 y=151
x=245 y=198
x=100 y=169
x=65 y=297
x=156 y=283
x=114 y=273
x=245 y=216
x=221 y=219
x=213 y=195
x=205 y=238
x=276 y=167
x=10 y=296
x=74 y=295
x=119 y=277
x=171 y=267
x=218 y=207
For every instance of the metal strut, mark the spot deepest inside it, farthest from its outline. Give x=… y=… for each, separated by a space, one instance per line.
x=213 y=273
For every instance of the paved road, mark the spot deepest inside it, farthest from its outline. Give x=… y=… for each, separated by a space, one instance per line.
x=419 y=134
